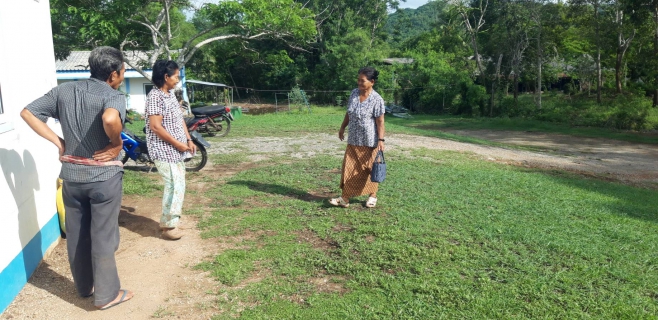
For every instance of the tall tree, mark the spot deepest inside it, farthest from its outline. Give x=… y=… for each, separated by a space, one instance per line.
x=622 y=42
x=473 y=19
x=246 y=20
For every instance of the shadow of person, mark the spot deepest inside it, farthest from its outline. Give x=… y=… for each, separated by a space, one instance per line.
x=140 y=168
x=279 y=189
x=23 y=180
x=144 y=226
x=49 y=280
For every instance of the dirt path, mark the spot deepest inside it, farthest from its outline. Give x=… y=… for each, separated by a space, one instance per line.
x=161 y=274
x=608 y=159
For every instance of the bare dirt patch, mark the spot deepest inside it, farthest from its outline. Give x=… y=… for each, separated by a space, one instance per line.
x=628 y=162
x=608 y=159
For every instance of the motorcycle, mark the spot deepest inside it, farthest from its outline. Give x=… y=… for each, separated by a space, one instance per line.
x=136 y=149
x=213 y=120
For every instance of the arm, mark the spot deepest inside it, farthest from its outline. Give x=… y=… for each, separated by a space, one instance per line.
x=190 y=143
x=341 y=132
x=113 y=126
x=379 y=121
x=157 y=128
x=43 y=130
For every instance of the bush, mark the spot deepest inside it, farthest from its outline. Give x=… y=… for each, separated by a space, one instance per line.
x=473 y=100
x=632 y=116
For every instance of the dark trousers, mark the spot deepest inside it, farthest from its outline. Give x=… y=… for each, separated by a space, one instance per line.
x=92 y=236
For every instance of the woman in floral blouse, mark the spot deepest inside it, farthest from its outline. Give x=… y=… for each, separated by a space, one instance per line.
x=365 y=119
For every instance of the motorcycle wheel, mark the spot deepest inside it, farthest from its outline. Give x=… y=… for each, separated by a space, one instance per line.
x=125 y=157
x=199 y=160
x=220 y=129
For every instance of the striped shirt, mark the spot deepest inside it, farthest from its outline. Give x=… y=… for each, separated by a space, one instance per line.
x=166 y=105
x=79 y=107
x=362 y=127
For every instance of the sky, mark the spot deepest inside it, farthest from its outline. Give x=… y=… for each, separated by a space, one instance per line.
x=413 y=4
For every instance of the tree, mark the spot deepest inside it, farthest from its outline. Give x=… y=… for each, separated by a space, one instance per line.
x=622 y=42
x=473 y=19
x=597 y=8
x=128 y=21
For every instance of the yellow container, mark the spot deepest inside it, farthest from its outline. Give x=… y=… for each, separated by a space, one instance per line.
x=60 y=206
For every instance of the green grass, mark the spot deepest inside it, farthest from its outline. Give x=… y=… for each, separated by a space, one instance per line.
x=452 y=237
x=141 y=183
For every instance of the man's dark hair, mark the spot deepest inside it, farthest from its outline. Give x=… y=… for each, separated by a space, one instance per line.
x=103 y=61
x=162 y=67
x=370 y=73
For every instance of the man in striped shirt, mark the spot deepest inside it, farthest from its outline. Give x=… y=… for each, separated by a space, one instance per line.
x=91 y=114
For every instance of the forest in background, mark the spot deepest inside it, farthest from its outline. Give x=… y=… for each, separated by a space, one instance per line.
x=583 y=62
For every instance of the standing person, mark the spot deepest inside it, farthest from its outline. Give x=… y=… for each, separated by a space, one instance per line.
x=168 y=142
x=91 y=114
x=365 y=119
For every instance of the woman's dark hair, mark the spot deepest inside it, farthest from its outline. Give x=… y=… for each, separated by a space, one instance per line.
x=370 y=73
x=162 y=67
x=103 y=61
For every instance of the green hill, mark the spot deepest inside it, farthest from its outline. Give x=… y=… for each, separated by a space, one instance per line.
x=408 y=23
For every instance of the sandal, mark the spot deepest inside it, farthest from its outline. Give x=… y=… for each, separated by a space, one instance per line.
x=371 y=203
x=339 y=202
x=112 y=304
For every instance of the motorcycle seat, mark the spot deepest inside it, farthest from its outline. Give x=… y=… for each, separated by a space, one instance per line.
x=208 y=110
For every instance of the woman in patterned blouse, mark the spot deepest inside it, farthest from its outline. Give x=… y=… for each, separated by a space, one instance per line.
x=168 y=141
x=365 y=119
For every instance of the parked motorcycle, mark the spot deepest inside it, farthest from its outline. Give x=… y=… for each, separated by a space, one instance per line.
x=136 y=149
x=213 y=120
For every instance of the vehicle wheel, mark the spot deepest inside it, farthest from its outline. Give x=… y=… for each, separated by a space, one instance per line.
x=209 y=130
x=125 y=157
x=222 y=127
x=199 y=160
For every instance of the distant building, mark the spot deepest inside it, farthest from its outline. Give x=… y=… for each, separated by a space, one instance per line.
x=135 y=85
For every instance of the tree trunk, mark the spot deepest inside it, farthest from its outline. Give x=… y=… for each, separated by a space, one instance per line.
x=494 y=85
x=655 y=51
x=618 y=74
x=539 y=58
x=516 y=91
x=599 y=78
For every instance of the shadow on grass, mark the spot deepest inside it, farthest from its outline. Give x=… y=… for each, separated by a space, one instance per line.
x=281 y=190
x=141 y=168
x=144 y=226
x=634 y=202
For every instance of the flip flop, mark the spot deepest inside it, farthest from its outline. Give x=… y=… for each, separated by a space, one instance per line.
x=90 y=294
x=125 y=292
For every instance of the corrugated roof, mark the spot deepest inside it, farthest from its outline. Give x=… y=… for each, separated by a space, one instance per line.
x=398 y=60
x=79 y=60
x=206 y=83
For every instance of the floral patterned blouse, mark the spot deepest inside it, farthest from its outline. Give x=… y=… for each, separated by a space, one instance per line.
x=362 y=127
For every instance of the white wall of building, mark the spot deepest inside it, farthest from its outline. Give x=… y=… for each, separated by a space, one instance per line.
x=134 y=84
x=29 y=163
x=136 y=89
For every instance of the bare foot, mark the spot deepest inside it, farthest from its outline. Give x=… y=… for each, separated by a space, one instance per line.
x=123 y=296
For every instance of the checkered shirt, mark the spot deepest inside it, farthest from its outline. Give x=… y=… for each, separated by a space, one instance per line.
x=79 y=107
x=166 y=105
x=362 y=127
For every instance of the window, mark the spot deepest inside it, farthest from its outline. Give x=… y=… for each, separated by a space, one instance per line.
x=147 y=89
